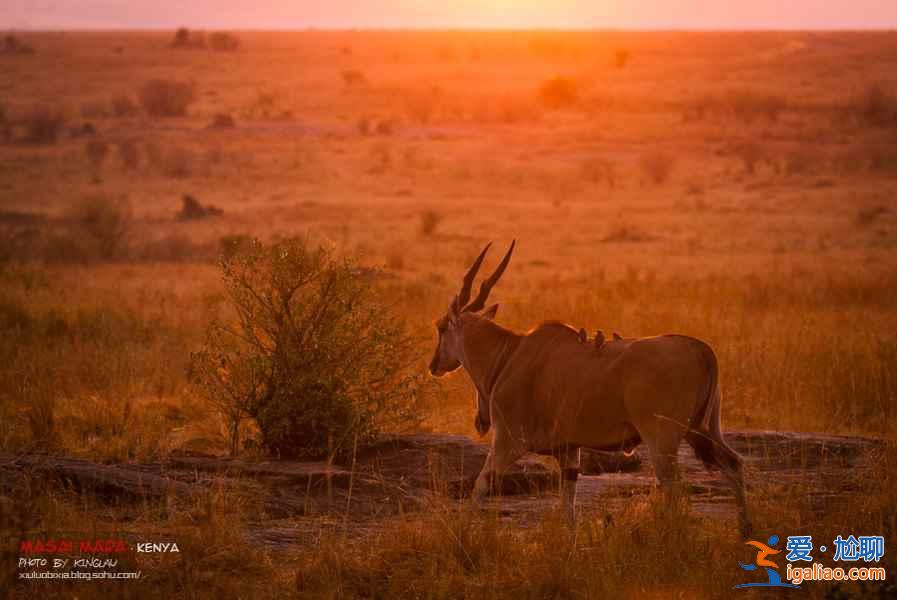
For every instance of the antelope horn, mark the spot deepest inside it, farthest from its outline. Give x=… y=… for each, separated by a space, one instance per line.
x=464 y=296
x=486 y=287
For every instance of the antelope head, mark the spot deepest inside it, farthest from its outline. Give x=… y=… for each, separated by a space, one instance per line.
x=447 y=357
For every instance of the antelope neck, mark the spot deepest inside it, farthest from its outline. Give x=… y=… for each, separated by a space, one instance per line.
x=487 y=348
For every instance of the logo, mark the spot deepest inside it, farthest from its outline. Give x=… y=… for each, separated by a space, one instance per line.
x=803 y=567
x=761 y=560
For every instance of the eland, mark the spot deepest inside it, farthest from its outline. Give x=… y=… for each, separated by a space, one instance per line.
x=547 y=392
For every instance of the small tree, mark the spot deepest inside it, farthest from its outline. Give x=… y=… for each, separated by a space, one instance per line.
x=312 y=355
x=621 y=58
x=123 y=106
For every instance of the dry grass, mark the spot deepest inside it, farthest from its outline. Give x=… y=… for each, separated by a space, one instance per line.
x=790 y=278
x=649 y=548
x=641 y=552
x=658 y=166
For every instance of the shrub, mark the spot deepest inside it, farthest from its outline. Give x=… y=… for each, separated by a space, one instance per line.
x=421 y=106
x=877 y=106
x=184 y=38
x=385 y=127
x=802 y=160
x=130 y=156
x=221 y=41
x=364 y=126
x=751 y=154
x=381 y=158
x=213 y=155
x=5 y=126
x=621 y=58
x=181 y=37
x=881 y=157
x=749 y=104
x=96 y=151
x=43 y=125
x=223 y=121
x=627 y=233
x=373 y=126
x=509 y=110
x=105 y=222
x=166 y=98
x=599 y=170
x=354 y=77
x=395 y=259
x=313 y=357
x=94 y=110
x=429 y=221
x=558 y=92
x=231 y=244
x=174 y=247
x=193 y=210
x=700 y=107
x=868 y=216
x=123 y=106
x=658 y=166
x=175 y=161
x=12 y=45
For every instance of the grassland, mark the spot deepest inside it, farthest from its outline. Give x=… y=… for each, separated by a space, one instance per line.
x=735 y=187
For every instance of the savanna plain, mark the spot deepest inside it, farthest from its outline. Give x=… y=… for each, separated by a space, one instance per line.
x=735 y=187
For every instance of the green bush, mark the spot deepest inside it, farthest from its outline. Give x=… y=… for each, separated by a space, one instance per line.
x=312 y=356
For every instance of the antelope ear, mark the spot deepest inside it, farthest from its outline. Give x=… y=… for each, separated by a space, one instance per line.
x=489 y=313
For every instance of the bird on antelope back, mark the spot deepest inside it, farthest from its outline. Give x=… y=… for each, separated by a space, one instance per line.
x=548 y=392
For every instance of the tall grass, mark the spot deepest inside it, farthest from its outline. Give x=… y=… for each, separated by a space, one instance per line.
x=87 y=379
x=648 y=549
x=812 y=353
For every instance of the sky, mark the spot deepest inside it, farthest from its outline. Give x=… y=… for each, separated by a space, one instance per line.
x=447 y=14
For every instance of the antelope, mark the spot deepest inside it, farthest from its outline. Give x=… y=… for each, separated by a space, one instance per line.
x=547 y=392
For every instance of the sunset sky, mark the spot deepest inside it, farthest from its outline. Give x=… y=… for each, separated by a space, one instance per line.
x=341 y=14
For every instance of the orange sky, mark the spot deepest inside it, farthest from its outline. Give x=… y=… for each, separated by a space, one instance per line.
x=566 y=14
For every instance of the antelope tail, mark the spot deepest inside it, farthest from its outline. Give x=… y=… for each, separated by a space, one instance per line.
x=705 y=432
